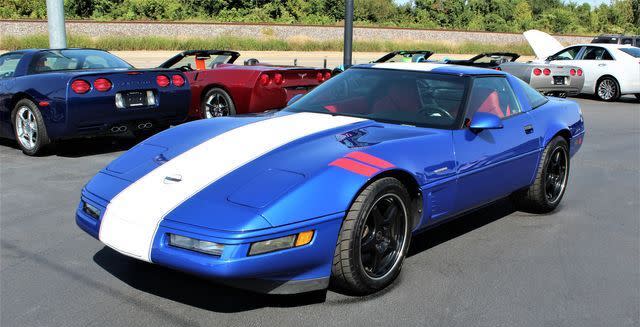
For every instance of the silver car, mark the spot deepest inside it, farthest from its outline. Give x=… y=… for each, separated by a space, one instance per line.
x=547 y=78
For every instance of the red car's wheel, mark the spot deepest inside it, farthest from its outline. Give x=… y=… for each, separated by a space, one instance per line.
x=217 y=103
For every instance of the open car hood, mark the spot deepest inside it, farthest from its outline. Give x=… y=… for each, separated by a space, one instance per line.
x=543 y=44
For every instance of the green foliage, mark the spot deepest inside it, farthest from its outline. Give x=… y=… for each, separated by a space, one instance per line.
x=238 y=43
x=556 y=16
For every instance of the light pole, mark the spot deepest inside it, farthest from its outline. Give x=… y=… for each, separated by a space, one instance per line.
x=55 y=19
x=348 y=33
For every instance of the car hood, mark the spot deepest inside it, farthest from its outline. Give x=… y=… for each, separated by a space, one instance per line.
x=247 y=173
x=543 y=44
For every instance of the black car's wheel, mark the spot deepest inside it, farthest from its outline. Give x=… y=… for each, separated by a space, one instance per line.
x=374 y=238
x=217 y=103
x=551 y=179
x=608 y=89
x=29 y=128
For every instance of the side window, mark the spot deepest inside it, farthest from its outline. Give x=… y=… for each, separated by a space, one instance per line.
x=535 y=98
x=8 y=64
x=568 y=54
x=596 y=53
x=627 y=40
x=492 y=95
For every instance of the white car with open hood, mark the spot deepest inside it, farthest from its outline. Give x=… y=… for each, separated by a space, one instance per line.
x=610 y=70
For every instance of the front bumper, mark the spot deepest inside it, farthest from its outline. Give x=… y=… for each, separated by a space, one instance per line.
x=295 y=270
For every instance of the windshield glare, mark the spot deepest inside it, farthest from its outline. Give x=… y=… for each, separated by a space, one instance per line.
x=59 y=60
x=402 y=97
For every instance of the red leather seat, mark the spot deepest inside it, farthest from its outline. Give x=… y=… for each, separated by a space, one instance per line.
x=485 y=100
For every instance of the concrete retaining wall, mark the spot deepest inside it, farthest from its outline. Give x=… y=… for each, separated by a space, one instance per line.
x=173 y=29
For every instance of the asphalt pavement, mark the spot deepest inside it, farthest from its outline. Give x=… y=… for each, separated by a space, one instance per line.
x=579 y=266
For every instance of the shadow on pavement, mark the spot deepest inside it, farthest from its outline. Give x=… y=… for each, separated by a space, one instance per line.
x=87 y=147
x=208 y=295
x=77 y=148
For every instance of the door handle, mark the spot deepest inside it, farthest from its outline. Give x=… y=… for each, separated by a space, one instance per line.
x=602 y=65
x=528 y=129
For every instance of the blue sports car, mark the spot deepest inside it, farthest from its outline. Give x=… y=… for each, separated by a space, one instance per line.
x=335 y=185
x=49 y=95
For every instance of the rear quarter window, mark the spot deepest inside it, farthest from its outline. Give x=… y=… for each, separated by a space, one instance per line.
x=8 y=64
x=634 y=52
x=536 y=99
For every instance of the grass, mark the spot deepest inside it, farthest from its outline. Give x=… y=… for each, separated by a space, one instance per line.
x=115 y=43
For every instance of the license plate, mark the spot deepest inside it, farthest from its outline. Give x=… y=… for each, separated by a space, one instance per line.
x=559 y=80
x=135 y=99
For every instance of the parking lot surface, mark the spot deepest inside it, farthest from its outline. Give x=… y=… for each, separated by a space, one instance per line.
x=579 y=266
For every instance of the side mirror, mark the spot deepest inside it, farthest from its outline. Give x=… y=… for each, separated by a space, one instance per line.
x=294 y=99
x=485 y=120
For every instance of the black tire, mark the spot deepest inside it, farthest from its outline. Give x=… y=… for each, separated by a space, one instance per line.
x=38 y=140
x=544 y=194
x=217 y=103
x=608 y=89
x=349 y=271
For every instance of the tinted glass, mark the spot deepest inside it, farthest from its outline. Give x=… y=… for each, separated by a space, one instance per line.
x=8 y=64
x=627 y=40
x=606 y=39
x=634 y=52
x=492 y=95
x=60 y=60
x=536 y=99
x=568 y=54
x=402 y=97
x=596 y=53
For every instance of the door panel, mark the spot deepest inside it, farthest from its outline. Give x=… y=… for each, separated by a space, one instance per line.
x=494 y=163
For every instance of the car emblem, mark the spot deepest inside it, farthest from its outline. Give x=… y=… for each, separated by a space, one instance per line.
x=302 y=75
x=172 y=179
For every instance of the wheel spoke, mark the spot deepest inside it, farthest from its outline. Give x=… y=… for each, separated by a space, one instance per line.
x=368 y=243
x=390 y=214
x=378 y=218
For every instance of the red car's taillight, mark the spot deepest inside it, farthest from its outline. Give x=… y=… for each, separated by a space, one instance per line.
x=102 y=84
x=265 y=80
x=278 y=78
x=537 y=71
x=547 y=71
x=327 y=75
x=579 y=72
x=177 y=80
x=80 y=86
x=162 y=80
x=320 y=77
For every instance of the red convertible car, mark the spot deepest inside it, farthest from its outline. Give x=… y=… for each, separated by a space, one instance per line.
x=221 y=88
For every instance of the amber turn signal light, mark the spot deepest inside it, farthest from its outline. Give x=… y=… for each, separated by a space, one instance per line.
x=304 y=238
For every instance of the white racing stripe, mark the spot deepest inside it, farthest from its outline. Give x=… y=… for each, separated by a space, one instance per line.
x=132 y=217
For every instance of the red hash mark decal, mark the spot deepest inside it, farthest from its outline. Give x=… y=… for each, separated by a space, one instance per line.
x=369 y=159
x=355 y=167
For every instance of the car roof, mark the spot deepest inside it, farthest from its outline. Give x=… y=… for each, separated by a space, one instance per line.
x=44 y=49
x=603 y=45
x=433 y=67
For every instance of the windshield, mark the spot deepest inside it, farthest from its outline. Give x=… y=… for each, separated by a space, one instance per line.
x=634 y=52
x=394 y=96
x=209 y=61
x=60 y=60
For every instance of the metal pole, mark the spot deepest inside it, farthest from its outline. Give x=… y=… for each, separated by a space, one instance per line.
x=55 y=18
x=348 y=32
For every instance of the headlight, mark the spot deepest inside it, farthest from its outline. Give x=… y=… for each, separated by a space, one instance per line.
x=281 y=243
x=193 y=244
x=90 y=210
